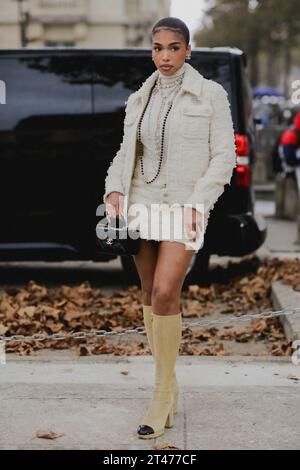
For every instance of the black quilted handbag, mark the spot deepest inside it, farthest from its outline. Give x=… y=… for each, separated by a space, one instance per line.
x=115 y=238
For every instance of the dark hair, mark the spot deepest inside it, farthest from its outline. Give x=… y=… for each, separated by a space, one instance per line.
x=174 y=24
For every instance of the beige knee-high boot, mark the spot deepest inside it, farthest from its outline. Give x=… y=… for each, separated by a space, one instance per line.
x=167 y=333
x=148 y=320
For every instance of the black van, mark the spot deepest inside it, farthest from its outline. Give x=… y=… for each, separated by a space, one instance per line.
x=61 y=123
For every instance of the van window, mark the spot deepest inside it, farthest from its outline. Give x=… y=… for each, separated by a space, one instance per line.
x=215 y=68
x=43 y=86
x=219 y=69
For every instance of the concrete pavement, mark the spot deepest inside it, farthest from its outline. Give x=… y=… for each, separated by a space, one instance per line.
x=225 y=402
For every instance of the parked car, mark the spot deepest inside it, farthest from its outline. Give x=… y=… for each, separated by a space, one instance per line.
x=62 y=124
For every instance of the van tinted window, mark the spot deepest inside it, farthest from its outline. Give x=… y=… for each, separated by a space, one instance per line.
x=116 y=77
x=42 y=86
x=219 y=69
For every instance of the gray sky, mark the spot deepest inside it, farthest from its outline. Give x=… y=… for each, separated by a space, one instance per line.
x=189 y=11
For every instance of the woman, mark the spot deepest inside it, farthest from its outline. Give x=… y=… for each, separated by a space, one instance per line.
x=177 y=154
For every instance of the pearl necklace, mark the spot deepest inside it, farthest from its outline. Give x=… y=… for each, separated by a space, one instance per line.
x=168 y=85
x=159 y=142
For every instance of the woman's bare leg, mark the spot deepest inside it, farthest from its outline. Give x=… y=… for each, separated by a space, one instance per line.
x=145 y=262
x=171 y=267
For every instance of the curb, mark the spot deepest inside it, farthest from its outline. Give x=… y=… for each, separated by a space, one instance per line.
x=284 y=296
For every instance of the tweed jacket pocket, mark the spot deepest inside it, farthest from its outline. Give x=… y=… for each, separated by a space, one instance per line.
x=195 y=121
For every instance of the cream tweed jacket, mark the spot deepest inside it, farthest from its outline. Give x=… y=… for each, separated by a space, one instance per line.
x=201 y=145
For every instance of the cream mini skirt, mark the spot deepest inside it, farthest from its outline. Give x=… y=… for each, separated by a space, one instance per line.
x=162 y=221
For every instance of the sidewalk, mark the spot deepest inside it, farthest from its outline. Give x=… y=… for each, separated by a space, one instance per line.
x=225 y=402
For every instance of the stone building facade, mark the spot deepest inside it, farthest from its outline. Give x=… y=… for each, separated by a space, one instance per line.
x=79 y=23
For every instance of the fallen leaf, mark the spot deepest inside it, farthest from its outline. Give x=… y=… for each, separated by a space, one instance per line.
x=3 y=330
x=292 y=377
x=48 y=435
x=165 y=445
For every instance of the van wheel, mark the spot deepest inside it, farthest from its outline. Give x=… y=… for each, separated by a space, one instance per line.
x=130 y=270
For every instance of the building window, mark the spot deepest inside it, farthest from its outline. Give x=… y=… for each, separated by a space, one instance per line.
x=58 y=3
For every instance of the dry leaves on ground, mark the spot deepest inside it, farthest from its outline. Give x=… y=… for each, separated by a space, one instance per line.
x=36 y=309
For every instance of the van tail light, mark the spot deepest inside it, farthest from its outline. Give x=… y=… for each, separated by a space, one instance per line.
x=242 y=170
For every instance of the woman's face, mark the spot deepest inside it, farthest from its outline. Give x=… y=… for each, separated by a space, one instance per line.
x=169 y=48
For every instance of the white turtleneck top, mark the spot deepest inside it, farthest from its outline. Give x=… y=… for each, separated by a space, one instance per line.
x=141 y=192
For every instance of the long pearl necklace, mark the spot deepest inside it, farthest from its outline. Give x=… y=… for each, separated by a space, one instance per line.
x=175 y=87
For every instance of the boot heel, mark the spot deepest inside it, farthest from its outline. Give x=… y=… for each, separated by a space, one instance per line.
x=170 y=419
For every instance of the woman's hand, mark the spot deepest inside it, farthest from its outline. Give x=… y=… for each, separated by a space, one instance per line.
x=192 y=222
x=114 y=205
